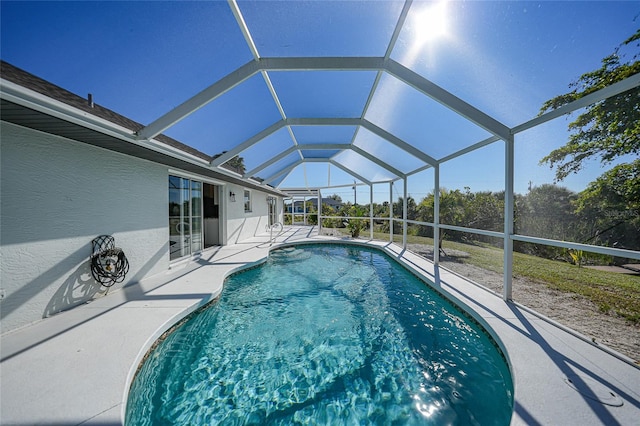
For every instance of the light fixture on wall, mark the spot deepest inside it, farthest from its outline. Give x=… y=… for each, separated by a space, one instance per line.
x=232 y=196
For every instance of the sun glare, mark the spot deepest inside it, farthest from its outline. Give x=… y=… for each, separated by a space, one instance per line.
x=431 y=23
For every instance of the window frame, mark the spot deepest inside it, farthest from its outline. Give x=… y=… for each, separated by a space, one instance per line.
x=248 y=206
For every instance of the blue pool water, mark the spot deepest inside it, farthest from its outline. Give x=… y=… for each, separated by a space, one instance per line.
x=324 y=335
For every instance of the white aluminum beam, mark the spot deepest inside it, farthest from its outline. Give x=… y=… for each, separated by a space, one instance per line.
x=324 y=121
x=315 y=64
x=265 y=76
x=494 y=234
x=624 y=253
x=286 y=175
x=248 y=70
x=392 y=43
x=248 y=143
x=420 y=169
x=323 y=146
x=615 y=89
x=394 y=38
x=313 y=188
x=274 y=95
x=398 y=142
x=198 y=101
x=290 y=168
x=269 y=162
x=349 y=171
x=470 y=148
x=377 y=161
x=322 y=64
x=288 y=122
x=398 y=29
x=292 y=149
x=447 y=99
x=281 y=172
x=315 y=160
x=235 y=9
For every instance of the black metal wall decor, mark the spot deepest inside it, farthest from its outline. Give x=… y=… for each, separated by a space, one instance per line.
x=109 y=265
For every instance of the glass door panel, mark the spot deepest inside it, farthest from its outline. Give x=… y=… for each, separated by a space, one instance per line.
x=196 y=216
x=177 y=215
x=185 y=217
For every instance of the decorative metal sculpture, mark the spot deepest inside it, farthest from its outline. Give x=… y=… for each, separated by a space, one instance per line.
x=109 y=265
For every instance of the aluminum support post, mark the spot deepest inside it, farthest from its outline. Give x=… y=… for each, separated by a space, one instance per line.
x=390 y=212
x=404 y=216
x=319 y=211
x=304 y=210
x=371 y=212
x=436 y=215
x=508 y=219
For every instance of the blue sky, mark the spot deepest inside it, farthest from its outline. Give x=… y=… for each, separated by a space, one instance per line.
x=506 y=58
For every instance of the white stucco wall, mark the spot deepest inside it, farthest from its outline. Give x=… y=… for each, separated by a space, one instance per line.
x=56 y=196
x=241 y=225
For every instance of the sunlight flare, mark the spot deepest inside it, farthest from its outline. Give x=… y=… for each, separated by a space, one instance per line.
x=431 y=23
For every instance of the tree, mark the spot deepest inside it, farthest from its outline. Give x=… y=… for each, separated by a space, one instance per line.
x=453 y=206
x=355 y=226
x=611 y=204
x=412 y=208
x=236 y=164
x=426 y=214
x=547 y=211
x=607 y=129
x=485 y=210
x=328 y=210
x=381 y=210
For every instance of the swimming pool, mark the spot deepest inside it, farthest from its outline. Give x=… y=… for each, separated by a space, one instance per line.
x=324 y=334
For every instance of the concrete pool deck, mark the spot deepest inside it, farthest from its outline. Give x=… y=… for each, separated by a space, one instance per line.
x=76 y=367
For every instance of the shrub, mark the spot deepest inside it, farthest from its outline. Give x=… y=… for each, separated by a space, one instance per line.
x=356 y=225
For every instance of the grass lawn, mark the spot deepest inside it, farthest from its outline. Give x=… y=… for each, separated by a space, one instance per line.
x=611 y=292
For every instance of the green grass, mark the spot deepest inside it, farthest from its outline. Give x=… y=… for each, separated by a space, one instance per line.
x=612 y=293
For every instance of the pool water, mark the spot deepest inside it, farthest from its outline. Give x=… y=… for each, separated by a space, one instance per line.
x=324 y=335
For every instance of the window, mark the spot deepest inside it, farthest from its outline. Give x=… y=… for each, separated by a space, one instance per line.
x=185 y=217
x=247 y=201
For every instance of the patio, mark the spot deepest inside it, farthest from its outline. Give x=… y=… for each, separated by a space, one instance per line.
x=75 y=368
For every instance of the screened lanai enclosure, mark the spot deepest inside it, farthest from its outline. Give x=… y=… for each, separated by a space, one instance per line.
x=394 y=107
x=393 y=101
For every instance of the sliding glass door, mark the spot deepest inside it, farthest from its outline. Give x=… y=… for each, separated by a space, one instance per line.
x=185 y=216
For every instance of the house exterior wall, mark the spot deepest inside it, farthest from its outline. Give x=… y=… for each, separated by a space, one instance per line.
x=240 y=224
x=56 y=196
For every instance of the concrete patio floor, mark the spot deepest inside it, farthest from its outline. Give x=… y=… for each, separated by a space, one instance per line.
x=76 y=367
